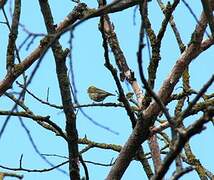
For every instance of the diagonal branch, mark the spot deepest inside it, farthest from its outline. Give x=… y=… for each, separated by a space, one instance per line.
x=141 y=130
x=209 y=14
x=183 y=137
x=18 y=69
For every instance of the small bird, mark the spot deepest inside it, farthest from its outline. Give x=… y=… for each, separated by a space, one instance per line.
x=97 y=94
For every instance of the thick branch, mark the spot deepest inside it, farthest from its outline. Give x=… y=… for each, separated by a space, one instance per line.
x=64 y=85
x=18 y=69
x=141 y=130
x=13 y=35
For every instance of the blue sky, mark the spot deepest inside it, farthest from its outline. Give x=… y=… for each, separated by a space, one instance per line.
x=89 y=69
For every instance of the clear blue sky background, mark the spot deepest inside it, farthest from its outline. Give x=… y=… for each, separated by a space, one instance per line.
x=89 y=69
